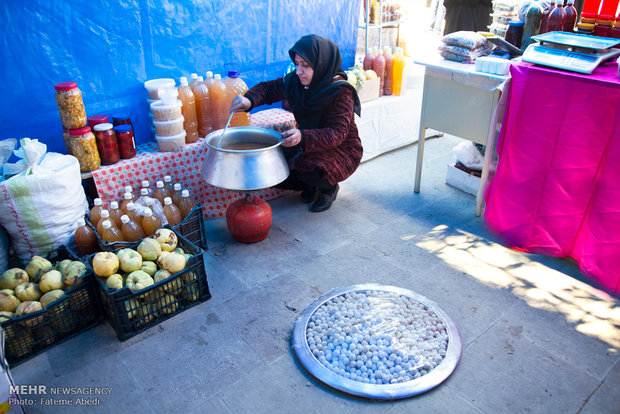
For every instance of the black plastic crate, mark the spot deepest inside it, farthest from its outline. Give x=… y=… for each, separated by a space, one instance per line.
x=77 y=311
x=133 y=312
x=192 y=228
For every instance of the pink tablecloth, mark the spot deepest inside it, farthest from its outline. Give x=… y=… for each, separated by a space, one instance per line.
x=557 y=186
x=184 y=167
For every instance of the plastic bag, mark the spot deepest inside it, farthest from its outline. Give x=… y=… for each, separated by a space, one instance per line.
x=152 y=203
x=462 y=54
x=6 y=149
x=467 y=153
x=465 y=39
x=43 y=203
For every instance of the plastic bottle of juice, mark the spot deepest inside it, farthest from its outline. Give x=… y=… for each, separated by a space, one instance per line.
x=544 y=25
x=172 y=212
x=168 y=185
x=129 y=189
x=370 y=56
x=95 y=212
x=236 y=86
x=389 y=60
x=188 y=109
x=203 y=108
x=150 y=222
x=186 y=203
x=176 y=194
x=571 y=17
x=110 y=233
x=147 y=186
x=132 y=213
x=105 y=215
x=85 y=239
x=115 y=213
x=193 y=80
x=160 y=192
x=218 y=102
x=127 y=198
x=132 y=231
x=398 y=67
x=378 y=65
x=209 y=79
x=556 y=18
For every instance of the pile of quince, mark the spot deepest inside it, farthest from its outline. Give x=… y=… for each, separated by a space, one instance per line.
x=356 y=75
x=33 y=289
x=156 y=258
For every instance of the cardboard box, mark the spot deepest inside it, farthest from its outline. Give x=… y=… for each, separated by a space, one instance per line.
x=369 y=90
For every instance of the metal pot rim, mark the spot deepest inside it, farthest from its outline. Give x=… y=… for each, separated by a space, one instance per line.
x=275 y=134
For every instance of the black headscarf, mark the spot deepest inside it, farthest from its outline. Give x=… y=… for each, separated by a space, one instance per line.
x=324 y=58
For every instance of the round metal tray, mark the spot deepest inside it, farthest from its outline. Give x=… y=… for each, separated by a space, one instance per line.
x=377 y=391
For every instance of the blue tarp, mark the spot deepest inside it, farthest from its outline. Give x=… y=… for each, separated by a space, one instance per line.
x=111 y=47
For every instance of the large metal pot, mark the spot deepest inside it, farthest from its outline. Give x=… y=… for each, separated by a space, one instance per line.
x=250 y=158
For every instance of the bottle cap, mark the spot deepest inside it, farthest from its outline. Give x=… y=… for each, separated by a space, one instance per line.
x=184 y=81
x=125 y=218
x=167 y=179
x=209 y=74
x=177 y=187
x=193 y=76
x=233 y=73
x=167 y=201
x=217 y=76
x=147 y=212
x=128 y=189
x=131 y=206
x=185 y=193
x=105 y=213
x=160 y=184
x=114 y=205
x=127 y=196
x=145 y=183
x=107 y=224
x=97 y=202
x=200 y=79
x=144 y=192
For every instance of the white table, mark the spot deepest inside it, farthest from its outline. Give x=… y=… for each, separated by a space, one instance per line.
x=460 y=101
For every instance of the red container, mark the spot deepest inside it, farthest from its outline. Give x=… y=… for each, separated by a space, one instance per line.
x=107 y=143
x=126 y=142
x=96 y=120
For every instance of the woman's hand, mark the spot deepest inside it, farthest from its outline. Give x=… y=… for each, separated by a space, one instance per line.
x=240 y=104
x=291 y=137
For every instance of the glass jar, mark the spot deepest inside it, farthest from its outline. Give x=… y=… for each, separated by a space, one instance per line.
x=106 y=143
x=126 y=142
x=514 y=33
x=121 y=119
x=67 y=137
x=84 y=148
x=96 y=120
x=70 y=105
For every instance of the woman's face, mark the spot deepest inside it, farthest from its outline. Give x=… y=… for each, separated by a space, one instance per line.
x=303 y=70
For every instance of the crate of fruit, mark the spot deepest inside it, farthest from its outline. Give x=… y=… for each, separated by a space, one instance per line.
x=150 y=281
x=192 y=227
x=53 y=299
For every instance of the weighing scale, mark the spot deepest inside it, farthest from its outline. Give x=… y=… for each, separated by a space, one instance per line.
x=571 y=51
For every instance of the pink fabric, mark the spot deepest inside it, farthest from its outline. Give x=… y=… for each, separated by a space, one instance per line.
x=556 y=190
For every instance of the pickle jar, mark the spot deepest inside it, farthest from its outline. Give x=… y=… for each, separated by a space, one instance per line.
x=84 y=148
x=106 y=143
x=70 y=105
x=67 y=137
x=121 y=119
x=126 y=142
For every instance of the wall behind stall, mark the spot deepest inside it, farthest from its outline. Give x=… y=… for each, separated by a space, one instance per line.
x=111 y=47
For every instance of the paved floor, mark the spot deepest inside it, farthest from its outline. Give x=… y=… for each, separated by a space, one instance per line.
x=535 y=337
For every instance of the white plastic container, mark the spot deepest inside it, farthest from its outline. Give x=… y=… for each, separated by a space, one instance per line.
x=172 y=143
x=169 y=128
x=152 y=86
x=166 y=112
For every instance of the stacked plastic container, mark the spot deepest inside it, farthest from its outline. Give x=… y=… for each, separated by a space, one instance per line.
x=166 y=114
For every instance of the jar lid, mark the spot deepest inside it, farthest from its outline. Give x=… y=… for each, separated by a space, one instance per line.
x=120 y=117
x=585 y=26
x=605 y=22
x=65 y=86
x=123 y=128
x=233 y=73
x=80 y=131
x=171 y=122
x=97 y=119
x=103 y=126
x=162 y=106
x=516 y=24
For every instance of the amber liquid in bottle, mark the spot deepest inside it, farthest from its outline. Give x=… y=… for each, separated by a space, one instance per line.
x=132 y=213
x=95 y=213
x=110 y=232
x=132 y=231
x=85 y=239
x=176 y=195
x=150 y=222
x=105 y=215
x=115 y=213
x=186 y=204
x=172 y=212
x=168 y=185
x=127 y=198
x=160 y=192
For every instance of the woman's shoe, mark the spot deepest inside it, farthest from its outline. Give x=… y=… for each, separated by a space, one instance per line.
x=324 y=200
x=309 y=194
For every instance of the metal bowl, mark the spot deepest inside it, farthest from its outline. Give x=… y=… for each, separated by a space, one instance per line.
x=376 y=391
x=250 y=158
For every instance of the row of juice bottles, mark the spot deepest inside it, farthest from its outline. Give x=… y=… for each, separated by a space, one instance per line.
x=388 y=67
x=130 y=219
x=206 y=102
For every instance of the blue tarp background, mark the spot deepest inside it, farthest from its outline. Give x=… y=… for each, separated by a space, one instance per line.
x=111 y=47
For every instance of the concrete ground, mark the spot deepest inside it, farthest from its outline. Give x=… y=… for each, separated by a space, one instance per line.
x=536 y=338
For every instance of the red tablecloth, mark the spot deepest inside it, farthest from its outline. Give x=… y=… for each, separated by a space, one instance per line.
x=556 y=190
x=184 y=167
